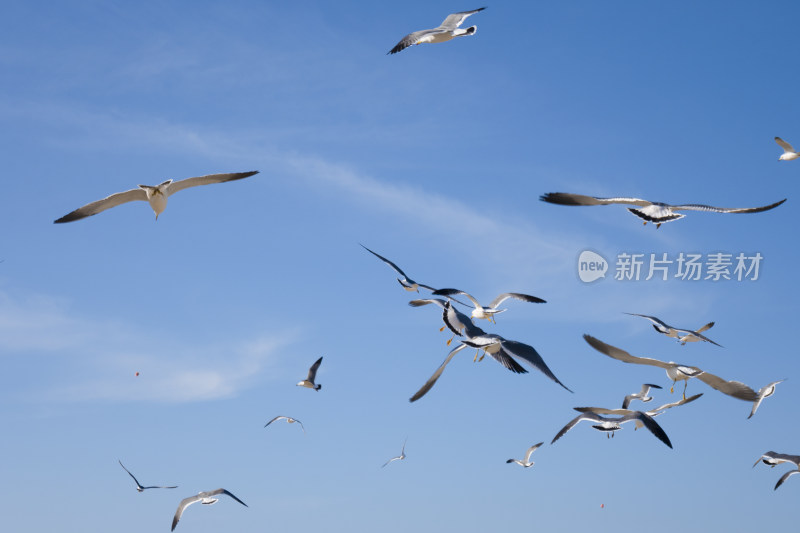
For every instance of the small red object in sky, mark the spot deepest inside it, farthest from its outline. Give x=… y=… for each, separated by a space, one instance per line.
x=137 y=374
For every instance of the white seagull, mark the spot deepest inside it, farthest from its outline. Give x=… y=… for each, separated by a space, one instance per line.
x=677 y=372
x=614 y=424
x=772 y=459
x=682 y=335
x=156 y=195
x=655 y=212
x=288 y=419
x=652 y=413
x=641 y=395
x=206 y=498
x=764 y=392
x=399 y=457
x=527 y=463
x=789 y=153
x=312 y=375
x=489 y=312
x=407 y=283
x=139 y=486
x=445 y=32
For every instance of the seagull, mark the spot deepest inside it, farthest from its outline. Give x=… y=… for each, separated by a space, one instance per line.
x=156 y=195
x=454 y=320
x=139 y=486
x=502 y=350
x=613 y=424
x=407 y=283
x=399 y=457
x=641 y=395
x=655 y=212
x=683 y=335
x=677 y=372
x=489 y=312
x=312 y=374
x=773 y=459
x=445 y=32
x=764 y=392
x=203 y=497
x=789 y=153
x=651 y=413
x=527 y=463
x=288 y=419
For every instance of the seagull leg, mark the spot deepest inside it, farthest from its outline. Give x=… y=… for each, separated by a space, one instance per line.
x=658 y=225
x=442 y=328
x=476 y=355
x=481 y=357
x=686 y=384
x=672 y=389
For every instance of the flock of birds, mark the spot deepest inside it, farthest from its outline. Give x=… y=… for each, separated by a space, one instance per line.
x=509 y=353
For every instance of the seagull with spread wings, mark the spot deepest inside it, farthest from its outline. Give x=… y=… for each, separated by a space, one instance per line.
x=289 y=419
x=773 y=459
x=764 y=392
x=448 y=30
x=155 y=195
x=312 y=375
x=655 y=212
x=139 y=486
x=206 y=498
x=399 y=457
x=789 y=153
x=489 y=312
x=624 y=411
x=456 y=321
x=641 y=395
x=677 y=372
x=407 y=283
x=527 y=463
x=611 y=425
x=682 y=335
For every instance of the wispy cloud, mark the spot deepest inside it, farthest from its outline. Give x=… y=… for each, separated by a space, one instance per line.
x=111 y=352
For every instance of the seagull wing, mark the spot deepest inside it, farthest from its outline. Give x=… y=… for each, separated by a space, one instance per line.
x=704 y=328
x=783 y=144
x=312 y=372
x=182 y=506
x=412 y=39
x=129 y=473
x=455 y=20
x=658 y=410
x=565 y=198
x=654 y=320
x=572 y=423
x=651 y=425
x=517 y=296
x=785 y=477
x=179 y=185
x=529 y=354
x=700 y=336
x=530 y=452
x=604 y=411
x=432 y=380
x=701 y=207
x=394 y=267
x=273 y=420
x=223 y=491
x=450 y=292
x=736 y=389
x=101 y=205
x=622 y=355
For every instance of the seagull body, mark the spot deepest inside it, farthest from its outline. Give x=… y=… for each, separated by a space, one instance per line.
x=289 y=419
x=764 y=392
x=641 y=395
x=206 y=498
x=614 y=424
x=527 y=463
x=139 y=486
x=406 y=282
x=682 y=335
x=312 y=375
x=155 y=195
x=399 y=457
x=456 y=321
x=655 y=212
x=677 y=372
x=489 y=312
x=448 y=30
x=789 y=153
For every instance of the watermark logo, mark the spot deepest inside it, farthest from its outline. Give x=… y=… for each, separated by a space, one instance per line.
x=591 y=266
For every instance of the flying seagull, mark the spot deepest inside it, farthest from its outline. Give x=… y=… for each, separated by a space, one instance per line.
x=789 y=153
x=772 y=459
x=139 y=486
x=407 y=283
x=683 y=335
x=651 y=413
x=288 y=419
x=445 y=32
x=764 y=392
x=677 y=372
x=156 y=195
x=312 y=374
x=489 y=312
x=206 y=498
x=454 y=320
x=613 y=424
x=655 y=212
x=641 y=395
x=399 y=457
x=527 y=463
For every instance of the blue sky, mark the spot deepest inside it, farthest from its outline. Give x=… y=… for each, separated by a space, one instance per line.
x=434 y=158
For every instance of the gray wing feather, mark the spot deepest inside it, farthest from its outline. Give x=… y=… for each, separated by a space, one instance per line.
x=564 y=198
x=179 y=185
x=432 y=380
x=455 y=20
x=785 y=477
x=529 y=354
x=783 y=144
x=735 y=389
x=312 y=372
x=101 y=205
x=701 y=207
x=524 y=297
x=622 y=355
